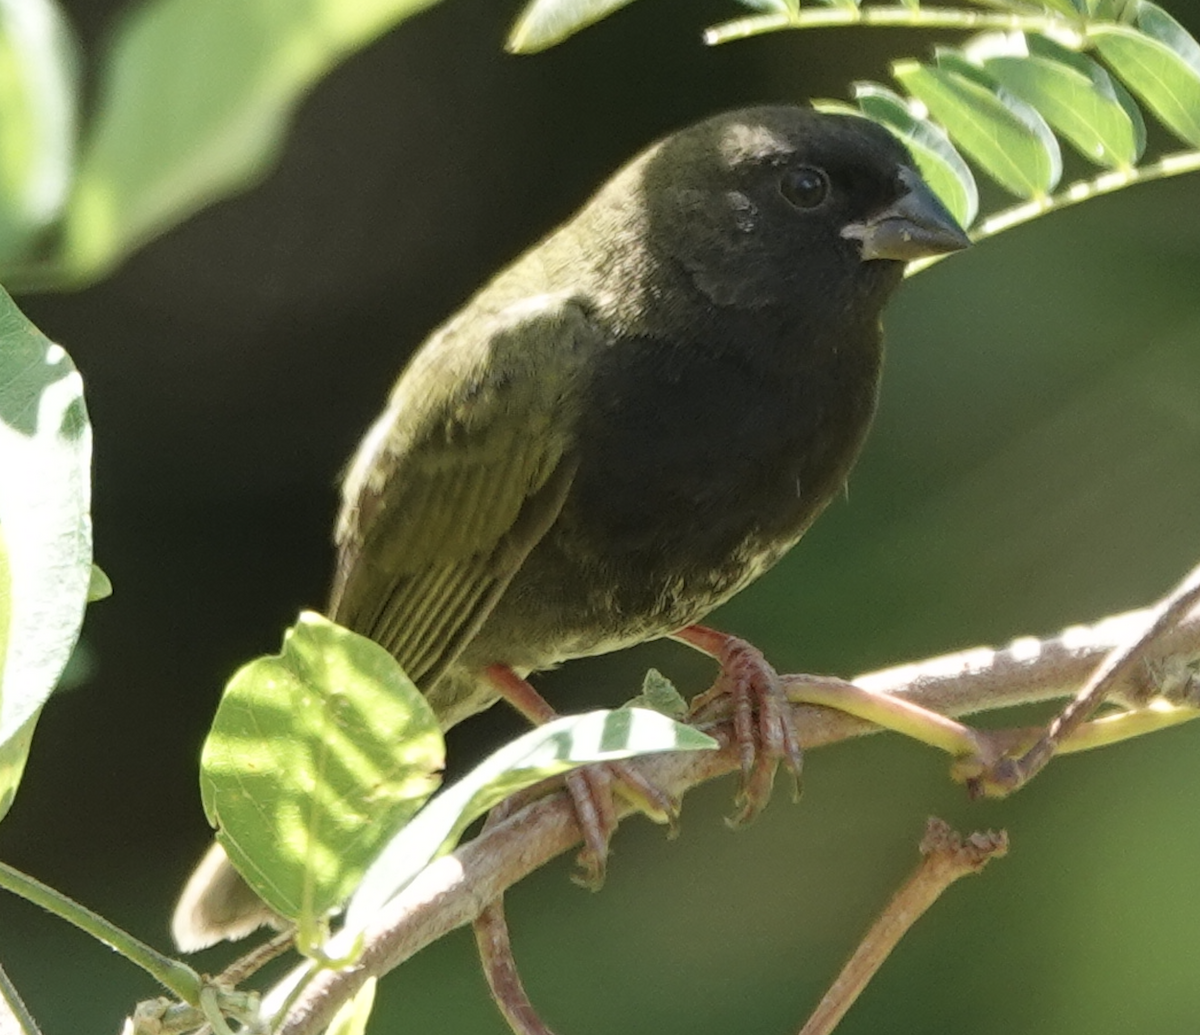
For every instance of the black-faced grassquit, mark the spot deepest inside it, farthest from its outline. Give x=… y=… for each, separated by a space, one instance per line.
x=630 y=423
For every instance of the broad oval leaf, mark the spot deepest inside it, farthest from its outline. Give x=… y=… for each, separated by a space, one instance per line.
x=940 y=164
x=543 y=23
x=1016 y=150
x=554 y=748
x=45 y=528
x=38 y=104
x=1075 y=95
x=317 y=756
x=1161 y=65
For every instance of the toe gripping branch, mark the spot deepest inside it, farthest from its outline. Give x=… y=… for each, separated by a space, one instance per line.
x=749 y=693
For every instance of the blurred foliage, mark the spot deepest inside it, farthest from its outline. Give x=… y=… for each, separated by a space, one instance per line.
x=1034 y=463
x=45 y=529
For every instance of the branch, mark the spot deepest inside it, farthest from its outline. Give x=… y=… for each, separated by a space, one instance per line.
x=454 y=890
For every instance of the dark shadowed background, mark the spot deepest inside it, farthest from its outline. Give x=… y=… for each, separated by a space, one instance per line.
x=1036 y=462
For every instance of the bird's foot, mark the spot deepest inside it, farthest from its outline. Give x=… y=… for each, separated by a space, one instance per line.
x=748 y=690
x=592 y=788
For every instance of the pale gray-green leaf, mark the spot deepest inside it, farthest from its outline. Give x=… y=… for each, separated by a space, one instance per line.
x=659 y=695
x=1156 y=22
x=563 y=744
x=45 y=525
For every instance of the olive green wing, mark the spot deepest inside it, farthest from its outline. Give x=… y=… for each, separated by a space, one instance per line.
x=460 y=477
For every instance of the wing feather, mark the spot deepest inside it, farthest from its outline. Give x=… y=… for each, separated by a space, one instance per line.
x=460 y=477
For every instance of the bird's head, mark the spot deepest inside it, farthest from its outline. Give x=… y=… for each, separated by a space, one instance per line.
x=786 y=206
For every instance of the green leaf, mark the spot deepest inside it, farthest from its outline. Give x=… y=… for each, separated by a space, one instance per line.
x=1070 y=8
x=38 y=99
x=773 y=6
x=45 y=527
x=659 y=695
x=1009 y=141
x=1105 y=10
x=942 y=167
x=563 y=744
x=1160 y=64
x=14 y=752
x=317 y=756
x=99 y=585
x=1160 y=25
x=1073 y=93
x=194 y=100
x=352 y=1016
x=543 y=23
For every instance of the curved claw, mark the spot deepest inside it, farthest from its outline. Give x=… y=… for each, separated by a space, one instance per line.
x=750 y=689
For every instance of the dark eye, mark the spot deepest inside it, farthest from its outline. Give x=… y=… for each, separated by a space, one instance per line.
x=805 y=187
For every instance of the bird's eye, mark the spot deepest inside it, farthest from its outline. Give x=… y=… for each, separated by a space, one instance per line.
x=805 y=187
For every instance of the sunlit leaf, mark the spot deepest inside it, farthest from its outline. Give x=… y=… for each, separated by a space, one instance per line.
x=1074 y=94
x=99 y=585
x=193 y=102
x=317 y=756
x=543 y=23
x=353 y=1015
x=1161 y=64
x=942 y=167
x=45 y=527
x=38 y=98
x=1156 y=22
x=1009 y=141
x=551 y=749
x=771 y=6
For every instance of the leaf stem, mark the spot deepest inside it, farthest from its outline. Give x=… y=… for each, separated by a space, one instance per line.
x=176 y=977
x=1173 y=164
x=893 y=16
x=14 y=1008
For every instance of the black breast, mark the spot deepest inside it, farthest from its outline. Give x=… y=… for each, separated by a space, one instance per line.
x=698 y=468
x=697 y=463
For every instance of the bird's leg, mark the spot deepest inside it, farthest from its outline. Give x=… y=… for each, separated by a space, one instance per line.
x=591 y=787
x=762 y=725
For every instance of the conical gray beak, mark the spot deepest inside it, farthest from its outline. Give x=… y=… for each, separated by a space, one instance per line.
x=916 y=226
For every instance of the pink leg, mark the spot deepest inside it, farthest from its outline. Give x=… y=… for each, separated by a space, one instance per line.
x=592 y=787
x=749 y=688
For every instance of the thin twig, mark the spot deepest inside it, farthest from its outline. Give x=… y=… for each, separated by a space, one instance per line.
x=500 y=969
x=454 y=890
x=899 y=16
x=1174 y=164
x=251 y=962
x=1012 y=773
x=946 y=857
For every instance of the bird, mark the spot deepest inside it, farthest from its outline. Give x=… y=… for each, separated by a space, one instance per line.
x=628 y=425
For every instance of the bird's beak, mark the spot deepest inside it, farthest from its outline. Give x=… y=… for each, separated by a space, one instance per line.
x=915 y=226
